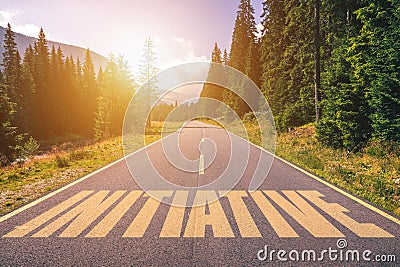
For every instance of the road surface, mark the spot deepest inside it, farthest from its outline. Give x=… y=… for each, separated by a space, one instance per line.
x=106 y=218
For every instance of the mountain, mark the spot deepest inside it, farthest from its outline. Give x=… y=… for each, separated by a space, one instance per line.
x=24 y=41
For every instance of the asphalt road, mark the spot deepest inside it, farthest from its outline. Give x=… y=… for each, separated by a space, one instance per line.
x=106 y=218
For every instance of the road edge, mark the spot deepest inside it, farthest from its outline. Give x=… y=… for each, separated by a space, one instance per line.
x=356 y=198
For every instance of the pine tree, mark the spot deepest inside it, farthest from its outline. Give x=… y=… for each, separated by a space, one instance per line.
x=243 y=35
x=12 y=72
x=10 y=63
x=78 y=73
x=90 y=93
x=274 y=41
x=71 y=95
x=41 y=78
x=116 y=90
x=253 y=64
x=123 y=92
x=287 y=53
x=211 y=90
x=9 y=139
x=11 y=98
x=79 y=101
x=29 y=106
x=345 y=119
x=254 y=72
x=375 y=57
x=76 y=107
x=225 y=58
x=298 y=62
x=59 y=89
x=65 y=89
x=216 y=54
x=147 y=72
x=54 y=92
x=102 y=128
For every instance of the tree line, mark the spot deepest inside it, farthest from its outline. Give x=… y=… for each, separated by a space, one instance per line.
x=187 y=111
x=46 y=94
x=359 y=67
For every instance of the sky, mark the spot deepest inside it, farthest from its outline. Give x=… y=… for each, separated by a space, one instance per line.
x=182 y=30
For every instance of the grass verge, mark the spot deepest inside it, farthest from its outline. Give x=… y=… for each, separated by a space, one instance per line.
x=370 y=173
x=23 y=183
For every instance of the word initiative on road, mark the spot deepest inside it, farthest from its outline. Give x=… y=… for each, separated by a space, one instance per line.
x=92 y=205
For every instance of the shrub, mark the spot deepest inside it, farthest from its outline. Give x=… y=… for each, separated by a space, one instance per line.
x=61 y=162
x=29 y=148
x=3 y=160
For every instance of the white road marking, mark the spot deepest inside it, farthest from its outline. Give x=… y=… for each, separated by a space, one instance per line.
x=201 y=164
x=201 y=160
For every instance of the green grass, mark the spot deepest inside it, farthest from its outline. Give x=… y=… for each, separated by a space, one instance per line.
x=370 y=173
x=159 y=129
x=20 y=184
x=64 y=163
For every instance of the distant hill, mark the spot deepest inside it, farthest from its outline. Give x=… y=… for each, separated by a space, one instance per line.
x=24 y=41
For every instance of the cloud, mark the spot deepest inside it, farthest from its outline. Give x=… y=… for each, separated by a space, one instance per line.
x=178 y=39
x=191 y=57
x=180 y=51
x=7 y=16
x=182 y=42
x=28 y=29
